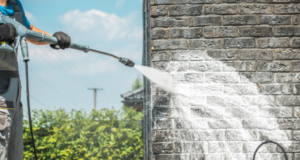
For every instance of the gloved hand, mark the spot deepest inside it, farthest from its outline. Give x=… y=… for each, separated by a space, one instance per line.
x=8 y=32
x=64 y=41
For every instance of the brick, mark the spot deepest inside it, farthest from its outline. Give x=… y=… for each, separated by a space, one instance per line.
x=170 y=1
x=289 y=123
x=286 y=8
x=205 y=44
x=162 y=148
x=240 y=66
x=250 y=147
x=296 y=89
x=297 y=112
x=159 y=33
x=282 y=66
x=180 y=10
x=208 y=89
x=205 y=1
x=171 y=22
x=255 y=31
x=289 y=54
x=267 y=156
x=204 y=21
x=275 y=20
x=221 y=32
x=261 y=77
x=188 y=55
x=278 y=112
x=296 y=42
x=258 y=135
x=286 y=31
x=182 y=135
x=288 y=100
x=188 y=78
x=163 y=156
x=297 y=156
x=287 y=77
x=255 y=9
x=152 y=22
x=212 y=135
x=240 y=89
x=225 y=124
x=273 y=42
x=162 y=112
x=171 y=66
x=163 y=124
x=160 y=56
x=161 y=101
x=266 y=124
x=162 y=136
x=168 y=44
x=238 y=156
x=274 y=89
x=220 y=147
x=159 y=10
x=281 y=1
x=220 y=9
x=206 y=112
x=223 y=101
x=221 y=77
x=186 y=33
x=206 y=66
x=238 y=1
x=265 y=54
x=190 y=147
x=296 y=19
x=239 y=43
x=296 y=66
x=222 y=54
x=239 y=20
x=264 y=1
x=242 y=113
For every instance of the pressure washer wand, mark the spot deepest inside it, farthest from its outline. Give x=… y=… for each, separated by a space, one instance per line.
x=22 y=31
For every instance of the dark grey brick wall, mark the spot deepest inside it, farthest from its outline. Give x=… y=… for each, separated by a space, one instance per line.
x=220 y=51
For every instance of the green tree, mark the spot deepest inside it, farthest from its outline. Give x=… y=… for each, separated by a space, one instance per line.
x=105 y=134
x=138 y=83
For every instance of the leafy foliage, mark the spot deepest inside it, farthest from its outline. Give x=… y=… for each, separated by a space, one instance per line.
x=105 y=134
x=138 y=83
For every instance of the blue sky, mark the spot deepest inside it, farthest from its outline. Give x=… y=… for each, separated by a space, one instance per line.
x=60 y=78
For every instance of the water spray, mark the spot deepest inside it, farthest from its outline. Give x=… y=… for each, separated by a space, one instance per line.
x=22 y=34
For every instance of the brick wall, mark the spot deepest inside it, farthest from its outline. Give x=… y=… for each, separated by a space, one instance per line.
x=235 y=58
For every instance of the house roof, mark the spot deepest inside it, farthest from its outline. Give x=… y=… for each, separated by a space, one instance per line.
x=134 y=98
x=135 y=94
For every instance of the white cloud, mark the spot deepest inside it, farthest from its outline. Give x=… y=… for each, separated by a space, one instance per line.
x=95 y=23
x=30 y=16
x=119 y=3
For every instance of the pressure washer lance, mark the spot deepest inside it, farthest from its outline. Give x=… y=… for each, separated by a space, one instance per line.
x=24 y=33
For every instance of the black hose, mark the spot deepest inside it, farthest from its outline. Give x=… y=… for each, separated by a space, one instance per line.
x=285 y=155
x=29 y=113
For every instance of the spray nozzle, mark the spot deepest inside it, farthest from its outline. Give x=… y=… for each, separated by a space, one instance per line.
x=126 y=62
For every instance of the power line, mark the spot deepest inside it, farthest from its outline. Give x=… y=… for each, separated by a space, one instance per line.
x=65 y=98
x=87 y=79
x=72 y=79
x=31 y=96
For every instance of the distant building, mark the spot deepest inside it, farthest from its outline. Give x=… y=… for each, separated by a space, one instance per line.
x=134 y=99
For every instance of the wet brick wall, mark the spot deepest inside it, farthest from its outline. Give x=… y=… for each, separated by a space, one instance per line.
x=251 y=45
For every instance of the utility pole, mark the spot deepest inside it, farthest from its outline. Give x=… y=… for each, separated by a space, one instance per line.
x=95 y=95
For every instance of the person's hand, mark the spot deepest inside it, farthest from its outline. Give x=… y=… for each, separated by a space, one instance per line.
x=8 y=33
x=64 y=41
